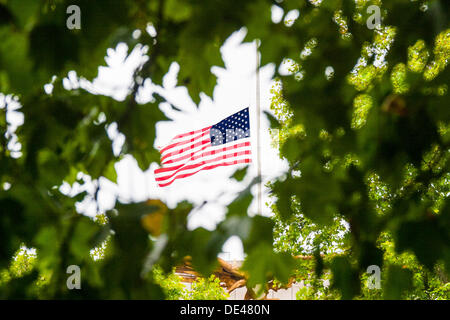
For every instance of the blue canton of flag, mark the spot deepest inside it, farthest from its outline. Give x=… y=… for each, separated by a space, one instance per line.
x=235 y=127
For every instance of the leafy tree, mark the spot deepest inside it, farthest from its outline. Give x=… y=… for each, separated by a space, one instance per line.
x=298 y=235
x=363 y=103
x=208 y=289
x=22 y=263
x=202 y=288
x=171 y=284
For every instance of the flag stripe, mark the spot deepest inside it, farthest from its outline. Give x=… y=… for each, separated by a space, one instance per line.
x=210 y=153
x=247 y=160
x=183 y=150
x=185 y=156
x=180 y=143
x=213 y=151
x=198 y=164
x=189 y=133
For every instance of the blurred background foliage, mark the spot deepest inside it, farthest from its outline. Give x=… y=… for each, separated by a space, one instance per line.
x=362 y=117
x=201 y=288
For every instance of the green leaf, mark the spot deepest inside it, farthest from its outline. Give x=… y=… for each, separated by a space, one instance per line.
x=240 y=205
x=5 y=15
x=369 y=255
x=14 y=60
x=196 y=61
x=240 y=174
x=318 y=192
x=426 y=238
x=284 y=192
x=203 y=250
x=263 y=264
x=345 y=278
x=398 y=281
x=177 y=10
x=236 y=225
x=47 y=242
x=319 y=266
x=110 y=173
x=52 y=47
x=274 y=123
x=24 y=11
x=130 y=243
x=261 y=232
x=139 y=127
x=82 y=240
x=11 y=228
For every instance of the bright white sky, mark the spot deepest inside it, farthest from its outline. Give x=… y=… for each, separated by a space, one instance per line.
x=235 y=90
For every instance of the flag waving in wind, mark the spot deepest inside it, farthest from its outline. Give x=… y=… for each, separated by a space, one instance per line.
x=223 y=144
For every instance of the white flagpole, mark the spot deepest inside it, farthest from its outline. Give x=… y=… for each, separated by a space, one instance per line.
x=258 y=129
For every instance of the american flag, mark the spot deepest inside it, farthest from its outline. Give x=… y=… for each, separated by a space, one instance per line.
x=223 y=144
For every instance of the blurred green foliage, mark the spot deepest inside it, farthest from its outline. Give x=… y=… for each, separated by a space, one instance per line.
x=361 y=110
x=375 y=143
x=201 y=288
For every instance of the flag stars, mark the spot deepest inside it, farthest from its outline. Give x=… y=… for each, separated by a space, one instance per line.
x=233 y=128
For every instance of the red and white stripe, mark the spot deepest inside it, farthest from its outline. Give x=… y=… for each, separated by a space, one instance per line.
x=191 y=152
